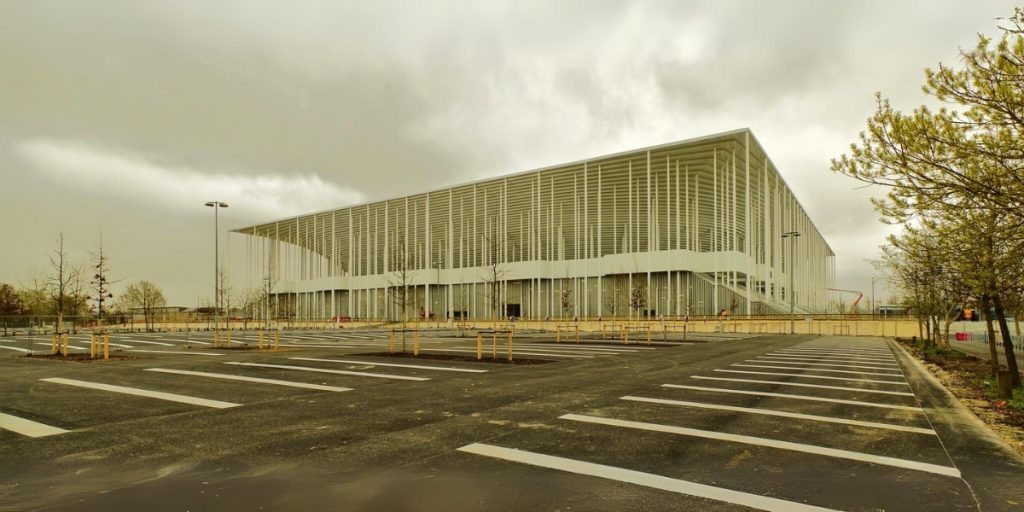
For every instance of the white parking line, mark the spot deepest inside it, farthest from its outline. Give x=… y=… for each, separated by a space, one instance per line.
x=814 y=369
x=22 y=350
x=783 y=414
x=639 y=478
x=549 y=350
x=27 y=427
x=772 y=443
x=226 y=376
x=371 y=363
x=178 y=352
x=151 y=342
x=323 y=346
x=765 y=359
x=487 y=351
x=804 y=375
x=584 y=345
x=779 y=355
x=802 y=385
x=597 y=350
x=838 y=352
x=796 y=397
x=325 y=370
x=172 y=397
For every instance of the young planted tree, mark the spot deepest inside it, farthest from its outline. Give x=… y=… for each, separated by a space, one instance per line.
x=63 y=285
x=638 y=297
x=146 y=298
x=494 y=269
x=566 y=297
x=100 y=283
x=400 y=286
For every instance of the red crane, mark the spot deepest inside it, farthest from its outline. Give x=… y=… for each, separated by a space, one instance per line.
x=860 y=295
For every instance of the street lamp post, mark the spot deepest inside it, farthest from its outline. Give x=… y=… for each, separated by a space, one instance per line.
x=791 y=235
x=216 y=205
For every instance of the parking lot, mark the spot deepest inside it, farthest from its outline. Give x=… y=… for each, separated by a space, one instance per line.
x=330 y=421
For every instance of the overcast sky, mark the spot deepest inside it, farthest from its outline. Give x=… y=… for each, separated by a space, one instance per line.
x=125 y=117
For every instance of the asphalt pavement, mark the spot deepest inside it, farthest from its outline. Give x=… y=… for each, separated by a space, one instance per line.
x=709 y=423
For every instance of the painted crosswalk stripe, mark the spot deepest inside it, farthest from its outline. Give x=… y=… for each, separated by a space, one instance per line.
x=171 y=397
x=743 y=365
x=326 y=370
x=372 y=363
x=803 y=385
x=487 y=350
x=150 y=342
x=886 y=362
x=806 y=376
x=783 y=414
x=772 y=443
x=227 y=376
x=765 y=359
x=639 y=478
x=28 y=427
x=795 y=397
x=204 y=353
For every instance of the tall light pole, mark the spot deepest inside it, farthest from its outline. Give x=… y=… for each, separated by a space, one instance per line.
x=216 y=205
x=791 y=235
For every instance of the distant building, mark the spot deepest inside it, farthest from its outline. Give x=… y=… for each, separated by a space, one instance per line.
x=686 y=227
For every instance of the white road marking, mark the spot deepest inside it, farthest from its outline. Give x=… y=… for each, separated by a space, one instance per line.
x=226 y=376
x=325 y=370
x=172 y=397
x=502 y=352
x=783 y=414
x=178 y=352
x=322 y=346
x=371 y=363
x=796 y=397
x=814 y=369
x=640 y=478
x=22 y=350
x=765 y=359
x=630 y=347
x=27 y=427
x=596 y=350
x=800 y=384
x=545 y=350
x=772 y=443
x=873 y=360
x=804 y=375
x=150 y=342
x=838 y=352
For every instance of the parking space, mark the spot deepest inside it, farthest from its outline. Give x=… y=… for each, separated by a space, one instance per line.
x=774 y=438
x=771 y=423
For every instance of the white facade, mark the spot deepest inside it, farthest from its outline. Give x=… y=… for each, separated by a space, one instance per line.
x=688 y=227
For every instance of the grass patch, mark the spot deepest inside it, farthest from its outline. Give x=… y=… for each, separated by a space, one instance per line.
x=991 y=389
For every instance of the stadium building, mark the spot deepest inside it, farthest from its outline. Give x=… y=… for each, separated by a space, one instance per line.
x=687 y=228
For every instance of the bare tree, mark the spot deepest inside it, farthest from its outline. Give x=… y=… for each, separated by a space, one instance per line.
x=146 y=298
x=493 y=269
x=63 y=285
x=100 y=283
x=566 y=300
x=638 y=297
x=400 y=288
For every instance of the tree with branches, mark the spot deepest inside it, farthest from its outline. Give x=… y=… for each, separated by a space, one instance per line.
x=63 y=285
x=146 y=298
x=400 y=287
